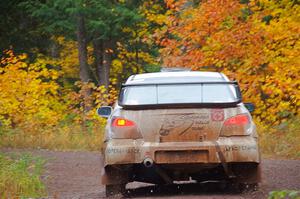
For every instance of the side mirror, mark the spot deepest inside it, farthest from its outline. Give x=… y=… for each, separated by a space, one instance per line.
x=104 y=111
x=250 y=107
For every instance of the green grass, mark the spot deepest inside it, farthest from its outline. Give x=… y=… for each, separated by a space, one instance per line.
x=284 y=194
x=20 y=176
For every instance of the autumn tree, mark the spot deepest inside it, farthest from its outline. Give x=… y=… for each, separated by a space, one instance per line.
x=279 y=77
x=254 y=42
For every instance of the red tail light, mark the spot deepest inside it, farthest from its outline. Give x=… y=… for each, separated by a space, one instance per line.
x=121 y=122
x=237 y=125
x=237 y=120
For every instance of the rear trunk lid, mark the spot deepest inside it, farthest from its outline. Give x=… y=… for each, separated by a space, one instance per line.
x=178 y=125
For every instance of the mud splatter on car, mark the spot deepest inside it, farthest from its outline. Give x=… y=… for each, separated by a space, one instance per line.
x=177 y=126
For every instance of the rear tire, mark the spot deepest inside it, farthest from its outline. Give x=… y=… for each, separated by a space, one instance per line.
x=238 y=187
x=115 y=190
x=249 y=187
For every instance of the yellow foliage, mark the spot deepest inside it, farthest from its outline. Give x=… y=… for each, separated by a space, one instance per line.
x=277 y=84
x=129 y=62
x=35 y=111
x=98 y=97
x=29 y=94
x=67 y=59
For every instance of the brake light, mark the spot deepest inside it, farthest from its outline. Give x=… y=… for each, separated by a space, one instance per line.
x=237 y=125
x=121 y=122
x=237 y=120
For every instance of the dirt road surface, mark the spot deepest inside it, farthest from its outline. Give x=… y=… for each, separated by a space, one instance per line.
x=76 y=175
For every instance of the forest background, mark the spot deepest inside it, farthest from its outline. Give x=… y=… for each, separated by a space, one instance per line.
x=61 y=59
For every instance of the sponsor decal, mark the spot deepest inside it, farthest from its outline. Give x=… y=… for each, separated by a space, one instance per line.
x=180 y=124
x=118 y=150
x=240 y=148
x=217 y=115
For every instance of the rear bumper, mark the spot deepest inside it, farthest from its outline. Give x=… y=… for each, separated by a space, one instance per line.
x=224 y=150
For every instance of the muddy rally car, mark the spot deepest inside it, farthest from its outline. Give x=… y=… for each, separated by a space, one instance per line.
x=179 y=126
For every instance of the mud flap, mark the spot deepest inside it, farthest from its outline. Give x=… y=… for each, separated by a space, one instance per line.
x=225 y=165
x=114 y=175
x=249 y=173
x=240 y=172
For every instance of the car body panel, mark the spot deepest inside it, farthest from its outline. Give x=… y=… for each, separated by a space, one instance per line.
x=167 y=129
x=237 y=149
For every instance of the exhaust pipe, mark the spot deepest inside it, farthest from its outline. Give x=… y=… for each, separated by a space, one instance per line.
x=148 y=162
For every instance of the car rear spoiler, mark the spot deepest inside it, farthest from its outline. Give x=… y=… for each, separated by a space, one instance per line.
x=179 y=83
x=182 y=105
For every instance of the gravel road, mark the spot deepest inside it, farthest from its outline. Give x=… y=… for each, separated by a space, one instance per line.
x=77 y=175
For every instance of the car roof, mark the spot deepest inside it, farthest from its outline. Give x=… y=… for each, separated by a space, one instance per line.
x=176 y=77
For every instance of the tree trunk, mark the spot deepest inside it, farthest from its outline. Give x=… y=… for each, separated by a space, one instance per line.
x=137 y=57
x=98 y=55
x=54 y=49
x=83 y=64
x=108 y=47
x=82 y=49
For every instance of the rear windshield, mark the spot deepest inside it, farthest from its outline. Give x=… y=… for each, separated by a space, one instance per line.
x=179 y=94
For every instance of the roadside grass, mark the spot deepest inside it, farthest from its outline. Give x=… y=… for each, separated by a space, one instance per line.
x=68 y=137
x=276 y=141
x=20 y=176
x=284 y=194
x=281 y=141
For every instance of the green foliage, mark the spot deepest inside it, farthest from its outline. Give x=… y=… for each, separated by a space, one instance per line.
x=20 y=176
x=18 y=29
x=105 y=19
x=284 y=194
x=123 y=24
x=54 y=17
x=108 y=18
x=152 y=68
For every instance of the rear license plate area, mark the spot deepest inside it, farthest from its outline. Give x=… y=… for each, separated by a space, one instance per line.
x=185 y=156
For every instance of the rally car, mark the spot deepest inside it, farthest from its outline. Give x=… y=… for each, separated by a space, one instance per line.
x=179 y=126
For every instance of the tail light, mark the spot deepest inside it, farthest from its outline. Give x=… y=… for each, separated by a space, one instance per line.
x=121 y=122
x=237 y=125
x=238 y=120
x=124 y=129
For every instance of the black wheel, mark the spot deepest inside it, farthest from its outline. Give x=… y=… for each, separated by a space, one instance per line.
x=243 y=187
x=115 y=190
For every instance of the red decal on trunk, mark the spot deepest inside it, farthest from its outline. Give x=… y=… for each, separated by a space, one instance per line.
x=217 y=115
